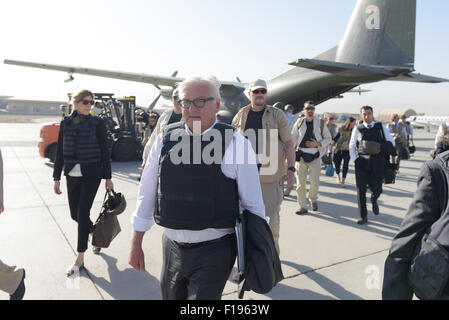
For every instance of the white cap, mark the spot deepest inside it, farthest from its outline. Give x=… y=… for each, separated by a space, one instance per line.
x=258 y=84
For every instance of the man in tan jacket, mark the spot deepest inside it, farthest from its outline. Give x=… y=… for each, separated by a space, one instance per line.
x=11 y=280
x=311 y=138
x=261 y=121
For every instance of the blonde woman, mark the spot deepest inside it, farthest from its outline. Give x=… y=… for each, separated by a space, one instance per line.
x=83 y=154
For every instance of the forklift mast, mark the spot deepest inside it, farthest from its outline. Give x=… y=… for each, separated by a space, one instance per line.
x=119 y=114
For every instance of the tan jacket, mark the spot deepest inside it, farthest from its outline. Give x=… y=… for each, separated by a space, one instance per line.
x=272 y=118
x=1 y=177
x=322 y=137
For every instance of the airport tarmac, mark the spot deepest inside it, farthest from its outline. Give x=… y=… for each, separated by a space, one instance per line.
x=325 y=254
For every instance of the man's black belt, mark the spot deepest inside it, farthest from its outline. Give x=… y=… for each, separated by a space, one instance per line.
x=203 y=243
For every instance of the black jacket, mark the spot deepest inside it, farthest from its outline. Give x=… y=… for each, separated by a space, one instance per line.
x=262 y=265
x=429 y=202
x=100 y=169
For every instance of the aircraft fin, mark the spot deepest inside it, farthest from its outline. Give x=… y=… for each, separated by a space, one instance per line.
x=380 y=32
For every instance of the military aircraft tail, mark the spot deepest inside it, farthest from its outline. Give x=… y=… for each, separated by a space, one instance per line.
x=380 y=33
x=379 y=43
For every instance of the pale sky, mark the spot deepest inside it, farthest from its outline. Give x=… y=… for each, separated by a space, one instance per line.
x=244 y=38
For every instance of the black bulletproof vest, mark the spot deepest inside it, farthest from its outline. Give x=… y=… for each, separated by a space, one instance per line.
x=378 y=162
x=80 y=143
x=374 y=134
x=195 y=196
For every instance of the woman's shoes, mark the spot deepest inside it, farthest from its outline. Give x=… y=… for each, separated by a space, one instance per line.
x=96 y=250
x=74 y=269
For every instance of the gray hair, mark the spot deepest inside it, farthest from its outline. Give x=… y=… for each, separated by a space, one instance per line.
x=211 y=81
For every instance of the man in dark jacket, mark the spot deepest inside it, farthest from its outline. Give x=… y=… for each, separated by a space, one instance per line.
x=428 y=204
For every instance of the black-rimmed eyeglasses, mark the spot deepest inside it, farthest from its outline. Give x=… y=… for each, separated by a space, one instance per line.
x=198 y=102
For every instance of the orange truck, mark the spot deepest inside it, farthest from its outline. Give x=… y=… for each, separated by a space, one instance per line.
x=48 y=139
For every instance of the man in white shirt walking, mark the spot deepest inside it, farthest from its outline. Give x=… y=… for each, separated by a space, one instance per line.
x=370 y=146
x=195 y=200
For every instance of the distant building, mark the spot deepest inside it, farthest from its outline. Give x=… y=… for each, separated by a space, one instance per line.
x=3 y=101
x=387 y=114
x=36 y=107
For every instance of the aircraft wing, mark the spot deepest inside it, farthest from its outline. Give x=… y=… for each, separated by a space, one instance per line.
x=136 y=77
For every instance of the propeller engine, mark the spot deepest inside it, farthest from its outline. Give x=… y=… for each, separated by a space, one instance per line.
x=165 y=92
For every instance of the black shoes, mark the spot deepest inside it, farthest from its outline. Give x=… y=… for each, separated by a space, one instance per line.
x=362 y=221
x=314 y=206
x=375 y=206
x=301 y=211
x=20 y=291
x=96 y=250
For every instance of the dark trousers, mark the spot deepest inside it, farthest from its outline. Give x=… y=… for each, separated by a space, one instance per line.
x=342 y=156
x=81 y=192
x=366 y=176
x=198 y=271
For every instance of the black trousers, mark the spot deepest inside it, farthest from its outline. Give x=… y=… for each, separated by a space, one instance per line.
x=338 y=157
x=81 y=192
x=367 y=175
x=198 y=271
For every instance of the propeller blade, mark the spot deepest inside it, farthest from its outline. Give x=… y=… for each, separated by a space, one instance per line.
x=153 y=104
x=174 y=74
x=157 y=87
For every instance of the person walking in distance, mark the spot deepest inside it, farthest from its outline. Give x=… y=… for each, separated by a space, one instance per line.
x=341 y=149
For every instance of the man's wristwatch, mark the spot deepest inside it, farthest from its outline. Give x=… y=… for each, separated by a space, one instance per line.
x=291 y=169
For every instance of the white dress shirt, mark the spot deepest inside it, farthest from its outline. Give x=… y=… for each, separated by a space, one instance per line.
x=243 y=171
x=356 y=136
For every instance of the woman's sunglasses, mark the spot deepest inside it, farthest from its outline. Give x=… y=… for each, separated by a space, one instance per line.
x=86 y=102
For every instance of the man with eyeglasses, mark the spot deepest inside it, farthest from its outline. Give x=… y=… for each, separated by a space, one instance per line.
x=196 y=201
x=311 y=139
x=258 y=121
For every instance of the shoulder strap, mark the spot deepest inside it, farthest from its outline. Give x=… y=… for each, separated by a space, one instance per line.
x=301 y=121
x=380 y=127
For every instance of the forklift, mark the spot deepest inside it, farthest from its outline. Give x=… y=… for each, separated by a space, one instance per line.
x=119 y=114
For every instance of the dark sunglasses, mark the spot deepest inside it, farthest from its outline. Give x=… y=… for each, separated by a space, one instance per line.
x=257 y=91
x=86 y=102
x=310 y=108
